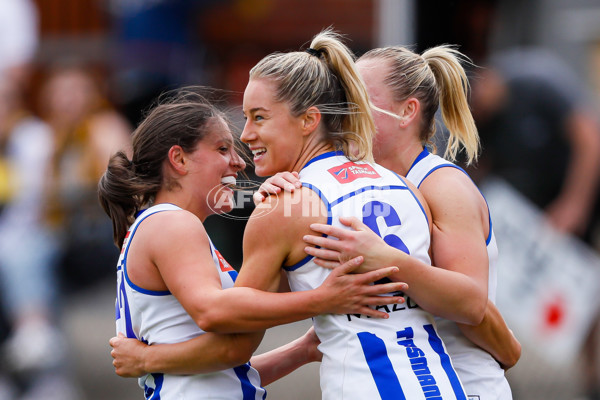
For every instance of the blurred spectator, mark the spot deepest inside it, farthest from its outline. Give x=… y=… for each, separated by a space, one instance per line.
x=35 y=350
x=19 y=37
x=33 y=347
x=540 y=134
x=158 y=47
x=87 y=131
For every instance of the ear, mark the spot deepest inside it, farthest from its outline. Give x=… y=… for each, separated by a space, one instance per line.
x=409 y=110
x=177 y=159
x=310 y=120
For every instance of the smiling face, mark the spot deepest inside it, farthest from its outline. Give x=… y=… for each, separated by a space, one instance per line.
x=272 y=133
x=213 y=168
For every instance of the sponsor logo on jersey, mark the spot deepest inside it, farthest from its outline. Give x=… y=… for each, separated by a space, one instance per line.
x=125 y=239
x=348 y=172
x=223 y=263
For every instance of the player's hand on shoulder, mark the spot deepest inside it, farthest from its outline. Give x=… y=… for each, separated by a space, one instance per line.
x=287 y=181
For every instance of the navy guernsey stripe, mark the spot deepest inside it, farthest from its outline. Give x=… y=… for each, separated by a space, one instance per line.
x=381 y=367
x=129 y=282
x=154 y=393
x=328 y=206
x=441 y=166
x=413 y=195
x=438 y=347
x=421 y=156
x=324 y=156
x=489 y=237
x=248 y=389
x=364 y=189
x=122 y=297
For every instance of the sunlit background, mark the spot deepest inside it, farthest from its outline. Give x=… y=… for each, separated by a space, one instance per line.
x=80 y=73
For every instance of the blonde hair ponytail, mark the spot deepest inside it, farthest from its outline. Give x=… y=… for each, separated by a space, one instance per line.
x=438 y=80
x=445 y=62
x=359 y=121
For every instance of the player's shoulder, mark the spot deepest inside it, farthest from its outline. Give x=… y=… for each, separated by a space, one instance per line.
x=277 y=225
x=288 y=207
x=175 y=224
x=448 y=178
x=451 y=188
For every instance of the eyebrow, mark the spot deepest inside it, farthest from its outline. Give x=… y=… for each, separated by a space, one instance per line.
x=255 y=109
x=223 y=138
x=226 y=140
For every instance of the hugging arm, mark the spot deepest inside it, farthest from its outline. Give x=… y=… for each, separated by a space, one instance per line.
x=458 y=249
x=206 y=353
x=251 y=309
x=457 y=293
x=210 y=353
x=494 y=336
x=444 y=293
x=248 y=307
x=283 y=360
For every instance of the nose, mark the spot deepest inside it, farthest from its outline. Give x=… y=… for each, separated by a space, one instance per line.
x=237 y=162
x=247 y=135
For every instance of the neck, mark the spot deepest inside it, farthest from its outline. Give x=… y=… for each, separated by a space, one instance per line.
x=178 y=198
x=310 y=151
x=402 y=159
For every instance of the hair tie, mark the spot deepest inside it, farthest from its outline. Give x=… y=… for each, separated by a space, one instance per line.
x=314 y=52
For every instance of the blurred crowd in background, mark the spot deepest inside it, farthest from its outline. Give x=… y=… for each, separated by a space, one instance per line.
x=76 y=76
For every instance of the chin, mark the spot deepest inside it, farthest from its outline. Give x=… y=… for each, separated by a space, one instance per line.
x=264 y=171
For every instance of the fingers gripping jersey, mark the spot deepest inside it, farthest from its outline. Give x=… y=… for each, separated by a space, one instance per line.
x=368 y=358
x=481 y=375
x=157 y=317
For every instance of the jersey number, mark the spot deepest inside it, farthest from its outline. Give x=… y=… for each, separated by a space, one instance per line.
x=374 y=209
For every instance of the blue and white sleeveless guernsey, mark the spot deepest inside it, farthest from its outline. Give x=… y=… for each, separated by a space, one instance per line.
x=157 y=317
x=401 y=357
x=481 y=375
